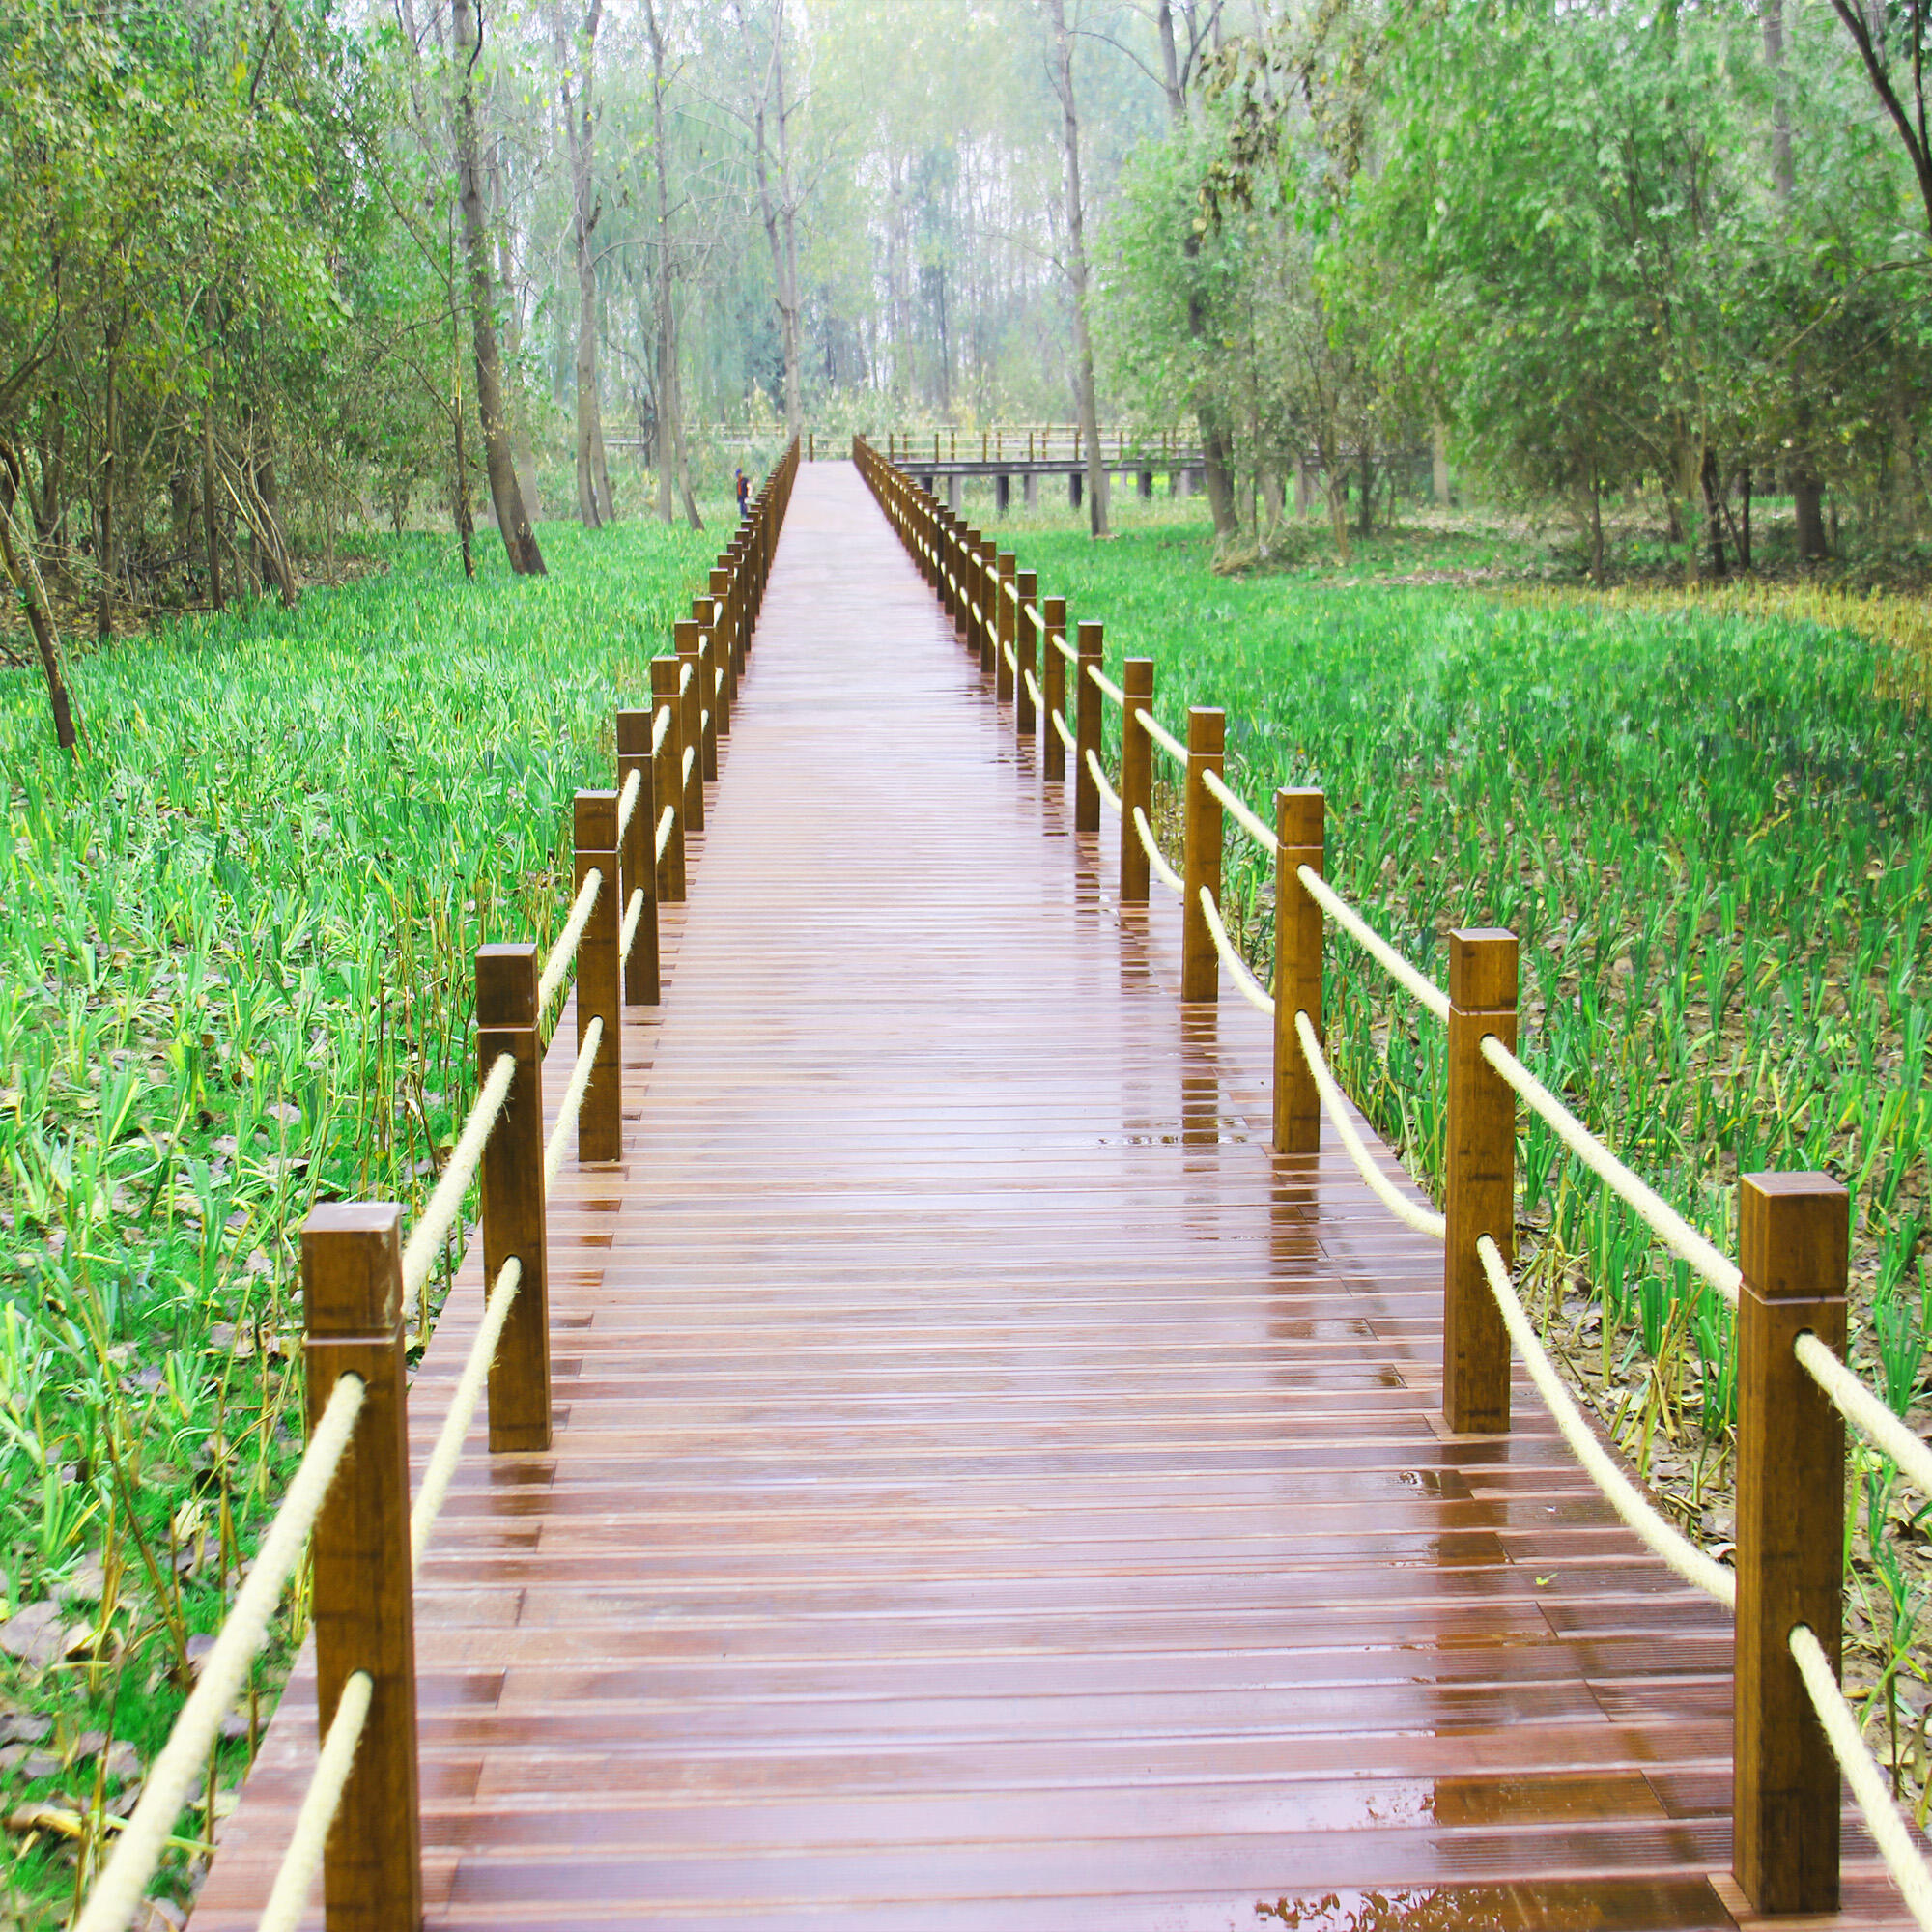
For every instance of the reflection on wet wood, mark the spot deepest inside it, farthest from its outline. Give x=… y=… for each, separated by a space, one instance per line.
x=986 y=1490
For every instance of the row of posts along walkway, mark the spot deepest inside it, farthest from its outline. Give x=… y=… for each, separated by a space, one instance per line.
x=990 y=1490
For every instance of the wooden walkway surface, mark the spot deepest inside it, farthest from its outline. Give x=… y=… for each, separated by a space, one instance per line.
x=989 y=1492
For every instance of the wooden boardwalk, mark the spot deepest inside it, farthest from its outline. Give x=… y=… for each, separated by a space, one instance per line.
x=988 y=1491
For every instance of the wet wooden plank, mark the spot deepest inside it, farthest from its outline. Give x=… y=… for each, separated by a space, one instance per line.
x=987 y=1489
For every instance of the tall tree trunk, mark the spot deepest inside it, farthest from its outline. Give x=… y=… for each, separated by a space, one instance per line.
x=520 y=541
x=764 y=83
x=104 y=531
x=580 y=127
x=1076 y=270
x=210 y=515
x=25 y=577
x=667 y=402
x=523 y=452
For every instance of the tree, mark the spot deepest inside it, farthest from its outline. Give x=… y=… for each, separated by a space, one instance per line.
x=1074 y=266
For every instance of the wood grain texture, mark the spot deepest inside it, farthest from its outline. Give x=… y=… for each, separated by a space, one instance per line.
x=1298 y=830
x=1202 y=837
x=1136 y=778
x=990 y=1490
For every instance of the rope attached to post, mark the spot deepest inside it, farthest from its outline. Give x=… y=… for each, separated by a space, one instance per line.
x=1662 y=1539
x=557 y=964
x=337 y=1758
x=1246 y=985
x=1106 y=686
x=660 y=731
x=1418 y=988
x=1162 y=871
x=1066 y=737
x=627 y=802
x=1423 y=1220
x=1650 y=1206
x=573 y=1102
x=667 y=819
x=183 y=1760
x=1162 y=737
x=629 y=937
x=1109 y=797
x=448 y=1450
x=439 y=1212
x=1244 y=818
x=1849 y=1395
x=689 y=752
x=1032 y=690
x=1840 y=1725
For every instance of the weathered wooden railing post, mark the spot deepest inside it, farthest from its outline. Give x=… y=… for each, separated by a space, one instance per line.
x=668 y=789
x=1053 y=685
x=1479 y=1181
x=1298 y=827
x=716 y=645
x=514 y=1219
x=1200 y=962
x=1794 y=1237
x=1026 y=650
x=692 y=716
x=708 y=688
x=600 y=1126
x=642 y=985
x=987 y=642
x=360 y=1563
x=1006 y=630
x=1136 y=778
x=1089 y=640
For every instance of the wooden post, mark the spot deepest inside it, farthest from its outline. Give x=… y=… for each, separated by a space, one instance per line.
x=1200 y=962
x=1794 y=1236
x=726 y=633
x=1026 y=647
x=1006 y=627
x=363 y=1599
x=710 y=695
x=600 y=1126
x=1297 y=968
x=514 y=1221
x=1053 y=686
x=1088 y=641
x=692 y=806
x=987 y=642
x=668 y=789
x=642 y=983
x=1479 y=1181
x=1136 y=778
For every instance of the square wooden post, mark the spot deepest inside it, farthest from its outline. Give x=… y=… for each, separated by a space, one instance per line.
x=1200 y=962
x=692 y=707
x=1297 y=968
x=1136 y=778
x=1053 y=686
x=1005 y=627
x=1087 y=643
x=668 y=789
x=987 y=642
x=363 y=1593
x=1794 y=1243
x=600 y=1126
x=643 y=981
x=1026 y=650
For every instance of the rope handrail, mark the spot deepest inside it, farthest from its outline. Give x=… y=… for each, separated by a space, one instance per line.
x=448 y=1450
x=1032 y=690
x=1031 y=612
x=1156 y=856
x=1662 y=1539
x=446 y=1202
x=573 y=1102
x=1650 y=1206
x=689 y=752
x=627 y=802
x=289 y=1895
x=1066 y=650
x=183 y=1759
x=684 y=678
x=1247 y=820
x=628 y=938
x=1840 y=1725
x=1849 y=1395
x=1162 y=736
x=557 y=965
x=1106 y=686
x=667 y=819
x=1246 y=985
x=1067 y=736
x=660 y=729
x=705 y=718
x=1109 y=797
x=1418 y=987
x=1012 y=663
x=1423 y=1220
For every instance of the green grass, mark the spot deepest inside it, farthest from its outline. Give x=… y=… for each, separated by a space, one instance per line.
x=235 y=978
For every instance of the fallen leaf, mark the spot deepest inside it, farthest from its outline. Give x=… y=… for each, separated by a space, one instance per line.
x=38 y=1636
x=28 y=1760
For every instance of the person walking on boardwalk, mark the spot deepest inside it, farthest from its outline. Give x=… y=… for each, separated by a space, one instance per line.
x=743 y=486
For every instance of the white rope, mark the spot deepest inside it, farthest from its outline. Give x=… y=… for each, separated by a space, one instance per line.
x=1032 y=690
x=448 y=1450
x=704 y=720
x=1246 y=985
x=1064 y=649
x=1373 y=943
x=1424 y=1220
x=1244 y=818
x=573 y=1102
x=1840 y=1726
x=1163 y=872
x=689 y=752
x=1106 y=685
x=660 y=731
x=629 y=936
x=439 y=1215
x=1865 y=1413
x=1109 y=797
x=627 y=802
x=1161 y=735
x=1650 y=1206
x=557 y=965
x=1032 y=613
x=337 y=1758
x=1012 y=663
x=1678 y=1553
x=684 y=677
x=1066 y=737
x=183 y=1759
x=666 y=821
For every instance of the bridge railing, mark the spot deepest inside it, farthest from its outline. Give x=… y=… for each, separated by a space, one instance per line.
x=1793 y=1729
x=1122 y=443
x=349 y=1502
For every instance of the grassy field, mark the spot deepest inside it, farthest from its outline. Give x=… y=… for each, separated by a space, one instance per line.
x=234 y=977
x=1711 y=828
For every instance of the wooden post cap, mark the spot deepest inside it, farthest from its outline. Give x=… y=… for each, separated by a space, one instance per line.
x=359 y=1291
x=507 y=984
x=596 y=821
x=1482 y=968
x=1794 y=1232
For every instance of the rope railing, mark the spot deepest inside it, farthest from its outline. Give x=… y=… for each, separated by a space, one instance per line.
x=1156 y=858
x=626 y=802
x=563 y=955
x=1232 y=801
x=633 y=917
x=1163 y=737
x=452 y=1187
x=1849 y=1394
x=660 y=731
x=1246 y=985
x=1417 y=986
x=1065 y=650
x=183 y=1760
x=288 y=1897
x=1064 y=733
x=1032 y=690
x=573 y=1103
x=667 y=825
x=1107 y=688
x=1109 y=797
